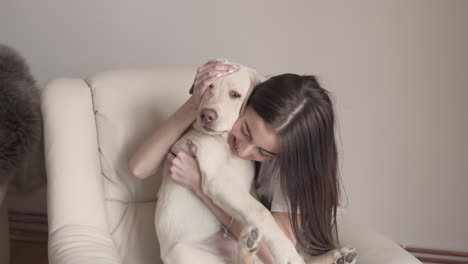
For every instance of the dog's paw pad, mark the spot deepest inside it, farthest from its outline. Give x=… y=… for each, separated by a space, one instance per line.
x=250 y=238
x=350 y=257
x=345 y=255
x=340 y=260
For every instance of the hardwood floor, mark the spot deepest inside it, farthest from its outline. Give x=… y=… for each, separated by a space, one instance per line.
x=28 y=247
x=25 y=252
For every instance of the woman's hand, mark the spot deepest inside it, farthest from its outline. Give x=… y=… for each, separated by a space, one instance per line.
x=184 y=168
x=207 y=74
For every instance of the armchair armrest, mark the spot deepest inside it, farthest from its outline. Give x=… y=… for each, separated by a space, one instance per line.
x=371 y=246
x=77 y=222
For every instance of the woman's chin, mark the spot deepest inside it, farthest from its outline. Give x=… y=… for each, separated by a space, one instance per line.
x=233 y=152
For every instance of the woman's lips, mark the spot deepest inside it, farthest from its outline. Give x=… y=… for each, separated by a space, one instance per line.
x=233 y=144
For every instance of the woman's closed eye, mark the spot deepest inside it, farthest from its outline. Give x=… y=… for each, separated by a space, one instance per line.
x=245 y=132
x=266 y=154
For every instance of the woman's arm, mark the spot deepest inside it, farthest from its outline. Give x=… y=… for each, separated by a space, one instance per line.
x=236 y=227
x=186 y=171
x=151 y=153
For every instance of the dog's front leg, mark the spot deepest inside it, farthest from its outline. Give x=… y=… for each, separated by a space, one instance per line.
x=248 y=243
x=241 y=205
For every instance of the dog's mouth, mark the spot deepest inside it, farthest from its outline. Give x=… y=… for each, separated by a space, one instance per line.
x=210 y=130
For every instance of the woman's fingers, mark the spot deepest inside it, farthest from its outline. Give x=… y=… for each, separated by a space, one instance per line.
x=179 y=179
x=176 y=176
x=179 y=154
x=175 y=170
x=204 y=81
x=184 y=169
x=212 y=62
x=170 y=157
x=207 y=79
x=215 y=68
x=192 y=148
x=206 y=66
x=176 y=150
x=203 y=84
x=218 y=68
x=212 y=74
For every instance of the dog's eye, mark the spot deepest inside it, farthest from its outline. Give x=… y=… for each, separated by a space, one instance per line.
x=234 y=94
x=211 y=86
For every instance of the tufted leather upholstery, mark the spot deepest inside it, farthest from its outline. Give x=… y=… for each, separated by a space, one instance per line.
x=98 y=212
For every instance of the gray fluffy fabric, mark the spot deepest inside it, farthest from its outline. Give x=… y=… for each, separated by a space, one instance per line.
x=20 y=113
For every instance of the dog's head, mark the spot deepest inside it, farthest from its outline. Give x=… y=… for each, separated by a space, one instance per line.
x=224 y=100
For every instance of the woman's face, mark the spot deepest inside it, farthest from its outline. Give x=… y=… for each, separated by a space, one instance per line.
x=252 y=138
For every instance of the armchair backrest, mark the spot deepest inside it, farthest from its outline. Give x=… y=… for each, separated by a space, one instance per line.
x=128 y=105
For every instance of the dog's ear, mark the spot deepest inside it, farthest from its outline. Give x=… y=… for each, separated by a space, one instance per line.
x=255 y=79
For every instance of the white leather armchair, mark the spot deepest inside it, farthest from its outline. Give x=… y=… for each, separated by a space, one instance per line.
x=98 y=212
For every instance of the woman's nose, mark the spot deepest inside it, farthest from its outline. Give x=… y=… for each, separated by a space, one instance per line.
x=245 y=149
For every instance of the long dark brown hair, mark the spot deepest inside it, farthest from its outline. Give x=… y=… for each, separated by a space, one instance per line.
x=302 y=114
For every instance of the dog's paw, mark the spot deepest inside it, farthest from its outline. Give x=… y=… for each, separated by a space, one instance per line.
x=344 y=255
x=250 y=239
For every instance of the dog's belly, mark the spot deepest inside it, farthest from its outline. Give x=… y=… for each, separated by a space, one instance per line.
x=180 y=215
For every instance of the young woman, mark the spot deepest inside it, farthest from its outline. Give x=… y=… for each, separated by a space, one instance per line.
x=288 y=129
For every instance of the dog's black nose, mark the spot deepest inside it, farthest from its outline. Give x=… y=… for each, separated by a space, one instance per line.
x=208 y=116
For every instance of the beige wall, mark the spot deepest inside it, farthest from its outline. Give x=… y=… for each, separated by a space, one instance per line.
x=398 y=70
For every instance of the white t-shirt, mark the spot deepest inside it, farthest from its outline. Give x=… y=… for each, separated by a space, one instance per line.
x=268 y=188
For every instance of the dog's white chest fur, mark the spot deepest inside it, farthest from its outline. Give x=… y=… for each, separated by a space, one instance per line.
x=180 y=215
